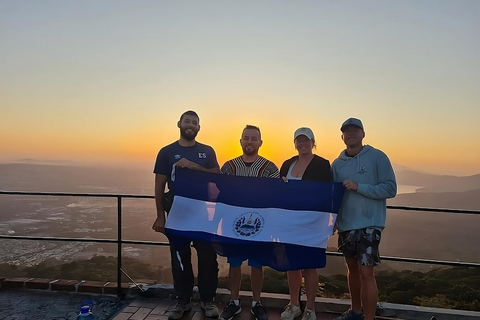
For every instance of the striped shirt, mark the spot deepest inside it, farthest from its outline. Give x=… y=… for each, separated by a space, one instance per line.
x=259 y=168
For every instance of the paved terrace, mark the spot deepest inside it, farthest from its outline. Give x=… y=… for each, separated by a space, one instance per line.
x=20 y=297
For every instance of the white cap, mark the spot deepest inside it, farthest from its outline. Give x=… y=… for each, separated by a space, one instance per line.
x=307 y=132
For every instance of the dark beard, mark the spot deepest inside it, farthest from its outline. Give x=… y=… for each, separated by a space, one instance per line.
x=188 y=136
x=249 y=153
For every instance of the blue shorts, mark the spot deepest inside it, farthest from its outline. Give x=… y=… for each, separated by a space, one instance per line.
x=237 y=262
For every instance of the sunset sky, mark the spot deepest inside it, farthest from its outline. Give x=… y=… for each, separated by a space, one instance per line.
x=103 y=81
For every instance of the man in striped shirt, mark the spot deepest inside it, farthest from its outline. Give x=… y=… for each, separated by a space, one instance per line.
x=249 y=164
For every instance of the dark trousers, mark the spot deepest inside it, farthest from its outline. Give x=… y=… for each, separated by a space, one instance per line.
x=183 y=279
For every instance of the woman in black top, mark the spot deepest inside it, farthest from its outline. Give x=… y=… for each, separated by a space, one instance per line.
x=304 y=166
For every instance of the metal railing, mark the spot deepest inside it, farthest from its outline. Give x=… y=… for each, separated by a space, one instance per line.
x=119 y=241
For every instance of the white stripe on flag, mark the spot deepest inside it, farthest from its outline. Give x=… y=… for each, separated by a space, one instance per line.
x=305 y=228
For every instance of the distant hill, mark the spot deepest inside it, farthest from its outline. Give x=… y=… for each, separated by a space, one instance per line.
x=37 y=161
x=468 y=200
x=75 y=179
x=438 y=191
x=437 y=183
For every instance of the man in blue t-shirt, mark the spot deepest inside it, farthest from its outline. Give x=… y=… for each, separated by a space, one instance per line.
x=190 y=154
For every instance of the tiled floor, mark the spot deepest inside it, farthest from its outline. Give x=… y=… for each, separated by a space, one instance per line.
x=154 y=309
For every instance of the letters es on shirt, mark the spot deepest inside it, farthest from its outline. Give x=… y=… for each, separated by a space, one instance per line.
x=201 y=155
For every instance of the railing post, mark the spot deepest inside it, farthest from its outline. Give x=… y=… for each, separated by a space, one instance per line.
x=119 y=246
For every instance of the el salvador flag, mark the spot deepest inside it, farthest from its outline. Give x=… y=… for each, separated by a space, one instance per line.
x=284 y=225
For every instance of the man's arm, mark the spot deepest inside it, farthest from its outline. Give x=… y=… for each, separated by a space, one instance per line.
x=185 y=163
x=160 y=182
x=226 y=169
x=385 y=188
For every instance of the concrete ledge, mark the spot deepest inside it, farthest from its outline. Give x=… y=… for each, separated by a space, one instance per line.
x=86 y=286
x=63 y=285
x=418 y=313
x=111 y=288
x=91 y=286
x=338 y=306
x=38 y=283
x=14 y=283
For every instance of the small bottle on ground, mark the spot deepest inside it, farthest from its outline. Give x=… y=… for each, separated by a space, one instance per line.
x=86 y=311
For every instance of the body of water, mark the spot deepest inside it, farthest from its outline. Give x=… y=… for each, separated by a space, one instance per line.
x=405 y=188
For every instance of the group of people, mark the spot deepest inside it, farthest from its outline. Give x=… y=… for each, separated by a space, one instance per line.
x=366 y=174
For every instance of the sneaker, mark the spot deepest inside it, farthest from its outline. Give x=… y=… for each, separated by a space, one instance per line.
x=211 y=310
x=230 y=311
x=309 y=315
x=290 y=312
x=259 y=312
x=350 y=315
x=177 y=311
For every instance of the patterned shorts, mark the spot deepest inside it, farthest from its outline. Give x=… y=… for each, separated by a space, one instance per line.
x=362 y=244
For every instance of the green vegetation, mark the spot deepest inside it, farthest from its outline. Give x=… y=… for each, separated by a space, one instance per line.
x=455 y=288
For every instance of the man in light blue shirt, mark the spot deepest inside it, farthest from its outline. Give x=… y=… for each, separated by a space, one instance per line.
x=368 y=177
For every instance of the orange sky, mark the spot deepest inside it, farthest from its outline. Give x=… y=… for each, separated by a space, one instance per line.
x=75 y=88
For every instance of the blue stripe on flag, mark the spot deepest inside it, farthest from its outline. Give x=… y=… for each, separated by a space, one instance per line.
x=259 y=192
x=279 y=256
x=282 y=225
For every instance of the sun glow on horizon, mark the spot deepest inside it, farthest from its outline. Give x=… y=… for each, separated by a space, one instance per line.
x=74 y=88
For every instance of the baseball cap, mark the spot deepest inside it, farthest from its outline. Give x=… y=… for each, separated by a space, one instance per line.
x=307 y=132
x=352 y=122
